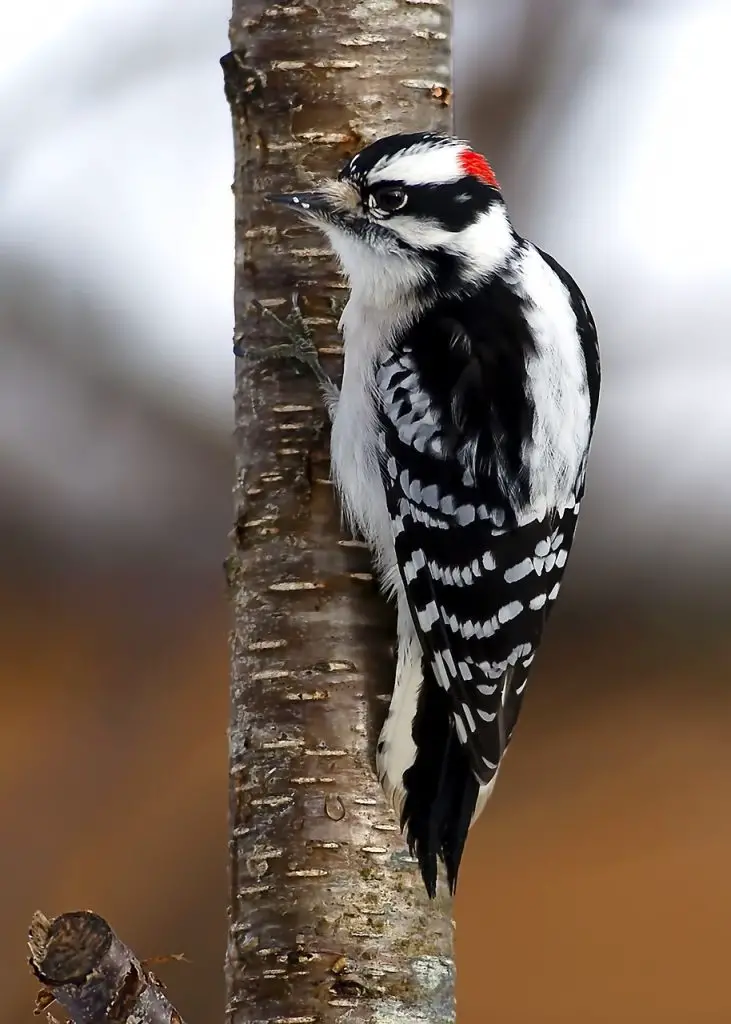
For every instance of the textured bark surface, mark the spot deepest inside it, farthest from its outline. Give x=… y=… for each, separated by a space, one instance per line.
x=328 y=920
x=92 y=974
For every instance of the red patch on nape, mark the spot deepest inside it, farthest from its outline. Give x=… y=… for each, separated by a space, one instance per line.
x=476 y=165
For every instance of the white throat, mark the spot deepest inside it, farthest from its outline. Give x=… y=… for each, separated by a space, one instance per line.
x=382 y=280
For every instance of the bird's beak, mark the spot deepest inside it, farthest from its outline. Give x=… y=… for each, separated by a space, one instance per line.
x=334 y=201
x=312 y=203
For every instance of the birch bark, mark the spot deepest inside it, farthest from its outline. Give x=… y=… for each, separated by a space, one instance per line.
x=328 y=919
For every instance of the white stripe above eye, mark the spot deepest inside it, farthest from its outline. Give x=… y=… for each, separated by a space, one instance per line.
x=421 y=165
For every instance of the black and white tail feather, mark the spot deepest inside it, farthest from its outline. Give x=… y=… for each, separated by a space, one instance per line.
x=459 y=448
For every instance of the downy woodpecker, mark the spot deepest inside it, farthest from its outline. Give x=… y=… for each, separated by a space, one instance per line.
x=459 y=447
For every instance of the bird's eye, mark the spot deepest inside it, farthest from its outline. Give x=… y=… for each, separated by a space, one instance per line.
x=389 y=198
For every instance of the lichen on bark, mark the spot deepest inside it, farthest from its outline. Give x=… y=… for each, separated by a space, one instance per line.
x=328 y=920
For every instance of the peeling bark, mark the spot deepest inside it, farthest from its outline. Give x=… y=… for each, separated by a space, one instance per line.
x=86 y=969
x=328 y=920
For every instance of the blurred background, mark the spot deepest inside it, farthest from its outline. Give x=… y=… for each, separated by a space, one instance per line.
x=597 y=887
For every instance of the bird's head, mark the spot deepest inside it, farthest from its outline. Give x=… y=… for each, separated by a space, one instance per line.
x=411 y=211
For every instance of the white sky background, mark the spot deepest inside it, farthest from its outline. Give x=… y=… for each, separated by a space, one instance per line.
x=115 y=149
x=119 y=144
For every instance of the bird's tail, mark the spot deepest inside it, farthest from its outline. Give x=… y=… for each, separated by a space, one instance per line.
x=440 y=788
x=426 y=772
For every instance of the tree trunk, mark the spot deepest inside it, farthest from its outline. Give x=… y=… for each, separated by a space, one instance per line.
x=328 y=920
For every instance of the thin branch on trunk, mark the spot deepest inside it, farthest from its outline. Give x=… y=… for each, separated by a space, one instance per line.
x=328 y=919
x=84 y=967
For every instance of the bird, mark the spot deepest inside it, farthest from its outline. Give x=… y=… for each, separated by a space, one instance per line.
x=459 y=446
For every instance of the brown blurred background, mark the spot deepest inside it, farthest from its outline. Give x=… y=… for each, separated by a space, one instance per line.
x=596 y=886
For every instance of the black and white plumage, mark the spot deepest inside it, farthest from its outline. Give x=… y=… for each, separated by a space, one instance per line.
x=459 y=446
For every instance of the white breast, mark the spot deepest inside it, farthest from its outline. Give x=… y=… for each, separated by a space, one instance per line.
x=354 y=443
x=383 y=298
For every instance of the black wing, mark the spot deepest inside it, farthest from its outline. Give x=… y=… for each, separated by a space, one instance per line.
x=479 y=578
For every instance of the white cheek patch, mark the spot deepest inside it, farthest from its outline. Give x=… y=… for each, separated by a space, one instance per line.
x=421 y=232
x=484 y=245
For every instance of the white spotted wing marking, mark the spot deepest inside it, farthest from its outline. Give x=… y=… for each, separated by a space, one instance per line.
x=479 y=596
x=448 y=575
x=547 y=553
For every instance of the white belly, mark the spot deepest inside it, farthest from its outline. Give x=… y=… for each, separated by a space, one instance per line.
x=354 y=442
x=355 y=463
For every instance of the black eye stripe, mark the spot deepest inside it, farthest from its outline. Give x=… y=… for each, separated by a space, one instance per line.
x=454 y=205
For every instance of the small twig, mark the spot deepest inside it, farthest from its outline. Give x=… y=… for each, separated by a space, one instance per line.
x=302 y=347
x=84 y=966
